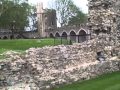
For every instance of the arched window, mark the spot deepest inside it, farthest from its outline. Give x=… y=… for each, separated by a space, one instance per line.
x=64 y=35
x=5 y=37
x=57 y=35
x=73 y=36
x=82 y=36
x=51 y=35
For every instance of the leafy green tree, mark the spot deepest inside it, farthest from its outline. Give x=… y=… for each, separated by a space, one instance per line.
x=32 y=18
x=65 y=9
x=68 y=12
x=77 y=19
x=14 y=14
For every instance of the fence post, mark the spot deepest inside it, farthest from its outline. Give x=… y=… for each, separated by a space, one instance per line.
x=68 y=38
x=54 y=41
x=61 y=39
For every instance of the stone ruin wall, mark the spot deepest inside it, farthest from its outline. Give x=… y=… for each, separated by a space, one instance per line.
x=118 y=20
x=102 y=15
x=104 y=19
x=48 y=67
x=103 y=22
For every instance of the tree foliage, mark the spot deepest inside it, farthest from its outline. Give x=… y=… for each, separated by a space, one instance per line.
x=14 y=13
x=77 y=19
x=68 y=12
x=32 y=18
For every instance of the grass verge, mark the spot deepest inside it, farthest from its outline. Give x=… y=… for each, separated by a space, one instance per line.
x=20 y=45
x=103 y=82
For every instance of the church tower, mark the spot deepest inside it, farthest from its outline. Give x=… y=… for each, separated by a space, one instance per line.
x=40 y=20
x=46 y=20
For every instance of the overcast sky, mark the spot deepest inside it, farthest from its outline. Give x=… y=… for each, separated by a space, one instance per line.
x=80 y=3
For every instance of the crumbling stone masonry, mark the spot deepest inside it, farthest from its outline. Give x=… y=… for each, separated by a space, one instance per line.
x=104 y=22
x=48 y=67
x=104 y=17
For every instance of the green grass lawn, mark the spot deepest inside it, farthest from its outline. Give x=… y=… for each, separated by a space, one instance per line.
x=104 y=82
x=20 y=45
x=23 y=44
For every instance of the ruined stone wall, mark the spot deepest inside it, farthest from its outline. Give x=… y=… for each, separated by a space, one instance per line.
x=102 y=16
x=103 y=21
x=118 y=20
x=48 y=67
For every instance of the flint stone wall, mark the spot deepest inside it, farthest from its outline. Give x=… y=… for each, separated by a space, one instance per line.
x=104 y=18
x=103 y=15
x=48 y=67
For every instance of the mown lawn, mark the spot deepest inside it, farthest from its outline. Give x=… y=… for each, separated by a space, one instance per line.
x=23 y=44
x=104 y=82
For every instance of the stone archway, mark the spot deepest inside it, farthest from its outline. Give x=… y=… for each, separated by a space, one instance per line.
x=5 y=37
x=12 y=37
x=82 y=36
x=57 y=35
x=73 y=36
x=64 y=35
x=51 y=35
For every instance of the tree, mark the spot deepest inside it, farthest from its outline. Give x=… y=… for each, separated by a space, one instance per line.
x=79 y=18
x=14 y=14
x=32 y=18
x=67 y=12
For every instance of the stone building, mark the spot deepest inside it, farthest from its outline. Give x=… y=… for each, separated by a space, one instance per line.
x=46 y=20
x=47 y=26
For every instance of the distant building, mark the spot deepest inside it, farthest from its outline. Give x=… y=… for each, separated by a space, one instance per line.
x=47 y=27
x=46 y=20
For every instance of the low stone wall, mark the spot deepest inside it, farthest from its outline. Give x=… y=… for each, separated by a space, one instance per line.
x=48 y=67
x=32 y=79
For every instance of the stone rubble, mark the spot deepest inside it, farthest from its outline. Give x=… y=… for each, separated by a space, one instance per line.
x=48 y=67
x=104 y=20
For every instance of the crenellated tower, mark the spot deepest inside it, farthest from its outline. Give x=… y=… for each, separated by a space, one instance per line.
x=46 y=20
